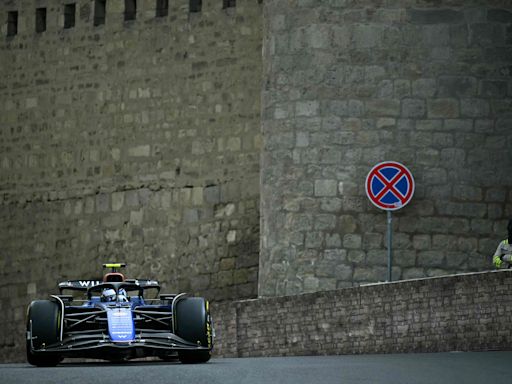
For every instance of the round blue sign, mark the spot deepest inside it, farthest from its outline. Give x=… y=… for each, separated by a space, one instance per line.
x=389 y=185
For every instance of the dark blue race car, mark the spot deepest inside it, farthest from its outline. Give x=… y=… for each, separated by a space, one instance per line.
x=114 y=321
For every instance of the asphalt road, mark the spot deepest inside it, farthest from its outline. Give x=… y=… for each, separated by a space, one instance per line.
x=449 y=368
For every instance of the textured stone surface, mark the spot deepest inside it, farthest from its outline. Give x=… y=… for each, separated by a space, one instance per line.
x=141 y=141
x=135 y=142
x=471 y=312
x=423 y=83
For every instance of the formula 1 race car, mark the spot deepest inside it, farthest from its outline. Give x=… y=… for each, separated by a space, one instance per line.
x=115 y=322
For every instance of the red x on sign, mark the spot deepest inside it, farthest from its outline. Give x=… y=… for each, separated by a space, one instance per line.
x=389 y=185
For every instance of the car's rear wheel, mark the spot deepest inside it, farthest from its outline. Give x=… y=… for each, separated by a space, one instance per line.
x=193 y=324
x=43 y=323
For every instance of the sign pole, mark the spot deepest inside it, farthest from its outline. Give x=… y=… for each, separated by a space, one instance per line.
x=389 y=186
x=390 y=251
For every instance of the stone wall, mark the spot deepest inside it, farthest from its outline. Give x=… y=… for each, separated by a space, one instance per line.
x=471 y=312
x=348 y=84
x=131 y=141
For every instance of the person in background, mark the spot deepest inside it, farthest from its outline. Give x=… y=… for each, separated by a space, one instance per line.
x=503 y=256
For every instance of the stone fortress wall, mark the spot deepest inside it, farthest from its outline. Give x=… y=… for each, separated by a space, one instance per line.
x=132 y=141
x=349 y=84
x=140 y=141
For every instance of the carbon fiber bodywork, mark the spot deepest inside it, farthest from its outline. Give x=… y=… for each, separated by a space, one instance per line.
x=85 y=327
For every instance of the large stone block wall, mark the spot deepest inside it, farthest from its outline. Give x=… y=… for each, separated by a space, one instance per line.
x=471 y=312
x=131 y=141
x=348 y=84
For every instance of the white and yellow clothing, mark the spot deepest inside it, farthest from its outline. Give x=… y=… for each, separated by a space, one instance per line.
x=503 y=255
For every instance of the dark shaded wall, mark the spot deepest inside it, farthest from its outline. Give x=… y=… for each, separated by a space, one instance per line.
x=348 y=84
x=130 y=141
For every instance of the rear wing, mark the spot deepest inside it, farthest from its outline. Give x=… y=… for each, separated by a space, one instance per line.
x=84 y=285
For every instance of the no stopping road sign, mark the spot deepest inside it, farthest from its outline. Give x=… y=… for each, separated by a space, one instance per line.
x=389 y=185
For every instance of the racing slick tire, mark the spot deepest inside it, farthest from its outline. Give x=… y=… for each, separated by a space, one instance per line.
x=43 y=320
x=193 y=324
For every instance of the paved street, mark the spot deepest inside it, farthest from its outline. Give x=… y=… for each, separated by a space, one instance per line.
x=435 y=368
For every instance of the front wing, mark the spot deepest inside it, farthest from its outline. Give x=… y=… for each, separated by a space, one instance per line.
x=98 y=345
x=84 y=332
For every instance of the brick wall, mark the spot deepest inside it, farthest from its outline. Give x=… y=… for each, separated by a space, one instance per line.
x=349 y=84
x=468 y=312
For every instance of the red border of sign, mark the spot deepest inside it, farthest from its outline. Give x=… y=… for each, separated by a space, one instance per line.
x=403 y=171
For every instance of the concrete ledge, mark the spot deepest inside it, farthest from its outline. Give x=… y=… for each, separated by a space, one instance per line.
x=467 y=312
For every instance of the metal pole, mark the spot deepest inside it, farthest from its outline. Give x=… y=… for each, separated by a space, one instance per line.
x=390 y=241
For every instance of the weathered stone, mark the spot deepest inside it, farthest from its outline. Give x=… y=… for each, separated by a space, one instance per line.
x=377 y=257
x=372 y=241
x=231 y=237
x=443 y=108
x=453 y=157
x=404 y=258
x=330 y=204
x=352 y=241
x=434 y=16
x=212 y=194
x=424 y=87
x=457 y=86
x=311 y=284
x=356 y=256
x=343 y=272
x=367 y=36
x=444 y=242
x=191 y=215
x=102 y=203
x=413 y=108
x=495 y=195
x=436 y=37
x=325 y=269
x=370 y=274
x=383 y=107
x=456 y=259
x=499 y=15
x=402 y=88
x=474 y=108
x=136 y=217
x=413 y=273
x=458 y=125
x=429 y=125
x=486 y=34
x=482 y=226
x=314 y=240
x=307 y=108
x=467 y=193
x=347 y=224
x=302 y=222
x=436 y=272
x=431 y=258
x=332 y=240
x=493 y=88
x=140 y=151
x=325 y=222
x=421 y=242
x=325 y=188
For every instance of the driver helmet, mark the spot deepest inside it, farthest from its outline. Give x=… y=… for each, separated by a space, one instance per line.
x=122 y=295
x=108 y=294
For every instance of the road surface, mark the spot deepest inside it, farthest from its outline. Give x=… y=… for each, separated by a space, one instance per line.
x=427 y=368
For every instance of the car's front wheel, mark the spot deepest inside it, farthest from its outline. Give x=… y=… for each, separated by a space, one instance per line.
x=43 y=325
x=193 y=324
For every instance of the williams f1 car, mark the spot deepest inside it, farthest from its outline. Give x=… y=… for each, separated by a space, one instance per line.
x=114 y=321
